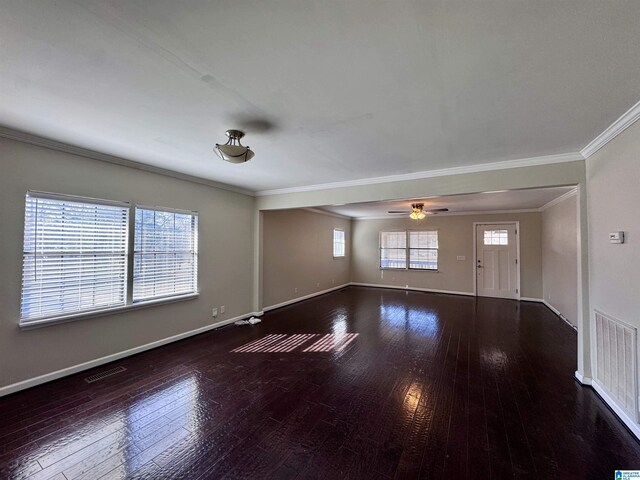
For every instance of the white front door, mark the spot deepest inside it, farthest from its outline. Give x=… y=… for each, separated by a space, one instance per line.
x=496 y=260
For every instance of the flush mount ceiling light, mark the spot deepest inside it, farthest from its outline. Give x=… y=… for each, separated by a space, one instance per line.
x=233 y=151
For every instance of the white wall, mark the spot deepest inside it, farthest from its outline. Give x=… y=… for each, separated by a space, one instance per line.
x=560 y=258
x=455 y=237
x=225 y=265
x=298 y=254
x=613 y=181
x=613 y=194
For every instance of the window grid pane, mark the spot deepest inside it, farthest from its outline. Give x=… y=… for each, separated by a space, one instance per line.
x=393 y=250
x=496 y=237
x=74 y=257
x=339 y=243
x=423 y=250
x=165 y=254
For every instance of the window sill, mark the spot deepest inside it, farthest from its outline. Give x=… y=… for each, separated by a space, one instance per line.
x=107 y=311
x=410 y=270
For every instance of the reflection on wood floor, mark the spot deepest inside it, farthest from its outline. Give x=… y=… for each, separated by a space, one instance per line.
x=362 y=383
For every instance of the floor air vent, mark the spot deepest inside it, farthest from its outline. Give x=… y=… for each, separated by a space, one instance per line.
x=616 y=362
x=105 y=374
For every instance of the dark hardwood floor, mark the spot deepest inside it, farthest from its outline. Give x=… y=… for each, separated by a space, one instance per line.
x=433 y=386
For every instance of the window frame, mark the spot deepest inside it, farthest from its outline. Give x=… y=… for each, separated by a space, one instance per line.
x=436 y=249
x=407 y=249
x=129 y=304
x=344 y=243
x=133 y=251
x=380 y=248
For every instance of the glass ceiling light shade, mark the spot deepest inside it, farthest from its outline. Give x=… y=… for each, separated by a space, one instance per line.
x=233 y=151
x=416 y=211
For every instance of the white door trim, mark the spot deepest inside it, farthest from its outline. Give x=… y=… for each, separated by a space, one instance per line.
x=475 y=253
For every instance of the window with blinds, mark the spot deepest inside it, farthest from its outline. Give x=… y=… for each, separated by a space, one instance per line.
x=339 y=244
x=423 y=250
x=393 y=249
x=409 y=250
x=165 y=254
x=74 y=256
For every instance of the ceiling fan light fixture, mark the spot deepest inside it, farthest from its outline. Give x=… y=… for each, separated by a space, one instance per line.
x=233 y=151
x=416 y=211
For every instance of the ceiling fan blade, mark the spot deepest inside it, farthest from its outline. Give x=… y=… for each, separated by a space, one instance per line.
x=399 y=211
x=436 y=210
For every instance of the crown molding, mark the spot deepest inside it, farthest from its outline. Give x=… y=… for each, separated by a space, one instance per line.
x=559 y=199
x=483 y=167
x=103 y=157
x=324 y=212
x=627 y=119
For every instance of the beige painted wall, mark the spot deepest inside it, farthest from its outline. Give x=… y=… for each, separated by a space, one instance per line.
x=613 y=199
x=455 y=237
x=225 y=263
x=298 y=254
x=560 y=258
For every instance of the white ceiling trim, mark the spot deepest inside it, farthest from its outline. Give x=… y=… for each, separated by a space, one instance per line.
x=559 y=199
x=324 y=212
x=616 y=128
x=627 y=119
x=103 y=157
x=483 y=167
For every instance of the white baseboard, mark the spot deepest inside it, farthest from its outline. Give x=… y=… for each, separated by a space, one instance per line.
x=628 y=421
x=555 y=310
x=418 y=289
x=531 y=299
x=582 y=379
x=550 y=307
x=621 y=414
x=47 y=377
x=305 y=297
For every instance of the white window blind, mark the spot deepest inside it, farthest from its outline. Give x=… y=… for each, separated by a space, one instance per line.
x=423 y=250
x=74 y=257
x=338 y=243
x=393 y=249
x=165 y=254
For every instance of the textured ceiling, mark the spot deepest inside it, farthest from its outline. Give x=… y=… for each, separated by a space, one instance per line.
x=357 y=89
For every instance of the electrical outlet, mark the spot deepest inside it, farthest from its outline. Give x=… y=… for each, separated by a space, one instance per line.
x=222 y=309
x=295 y=290
x=214 y=312
x=317 y=284
x=333 y=281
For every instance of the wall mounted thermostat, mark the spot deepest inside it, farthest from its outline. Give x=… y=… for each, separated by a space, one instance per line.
x=616 y=237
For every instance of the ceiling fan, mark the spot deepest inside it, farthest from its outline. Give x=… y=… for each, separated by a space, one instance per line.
x=418 y=212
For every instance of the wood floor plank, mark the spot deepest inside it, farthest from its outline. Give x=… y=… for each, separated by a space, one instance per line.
x=434 y=386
